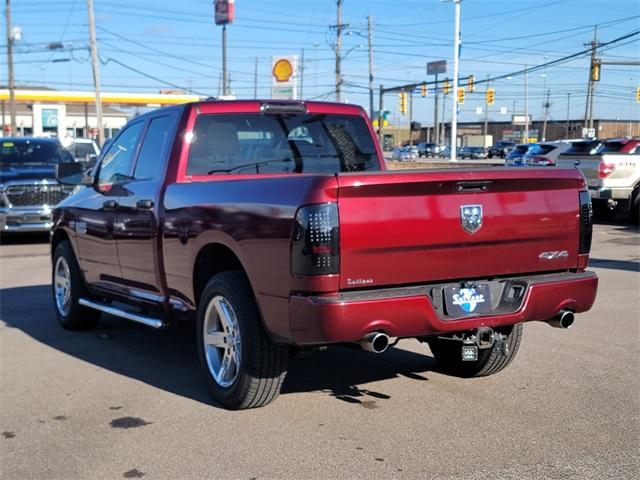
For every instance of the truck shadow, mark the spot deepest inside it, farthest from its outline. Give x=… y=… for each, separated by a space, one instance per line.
x=168 y=359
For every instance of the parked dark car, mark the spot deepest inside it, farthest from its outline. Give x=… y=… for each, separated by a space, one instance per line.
x=501 y=149
x=427 y=149
x=474 y=153
x=28 y=188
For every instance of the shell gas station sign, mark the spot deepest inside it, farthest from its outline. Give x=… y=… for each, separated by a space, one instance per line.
x=284 y=77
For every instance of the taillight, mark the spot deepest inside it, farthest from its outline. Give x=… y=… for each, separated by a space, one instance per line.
x=605 y=169
x=315 y=248
x=542 y=161
x=586 y=223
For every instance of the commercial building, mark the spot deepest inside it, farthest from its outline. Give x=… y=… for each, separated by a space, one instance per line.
x=47 y=112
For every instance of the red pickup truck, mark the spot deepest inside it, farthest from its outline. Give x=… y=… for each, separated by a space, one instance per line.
x=278 y=228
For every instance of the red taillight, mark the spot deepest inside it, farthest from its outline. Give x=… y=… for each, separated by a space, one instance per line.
x=542 y=161
x=605 y=169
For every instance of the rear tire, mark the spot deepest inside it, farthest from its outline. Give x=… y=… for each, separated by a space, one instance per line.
x=242 y=366
x=448 y=354
x=634 y=209
x=67 y=287
x=603 y=212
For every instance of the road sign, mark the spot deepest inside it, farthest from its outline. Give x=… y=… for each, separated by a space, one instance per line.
x=225 y=11
x=478 y=110
x=503 y=110
x=589 y=132
x=434 y=68
x=521 y=119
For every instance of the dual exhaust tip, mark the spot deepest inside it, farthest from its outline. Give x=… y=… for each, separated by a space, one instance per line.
x=376 y=342
x=564 y=319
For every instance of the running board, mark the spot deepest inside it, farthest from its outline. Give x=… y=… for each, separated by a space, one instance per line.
x=116 y=312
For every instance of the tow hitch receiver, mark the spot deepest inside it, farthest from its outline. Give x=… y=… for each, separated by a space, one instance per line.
x=480 y=339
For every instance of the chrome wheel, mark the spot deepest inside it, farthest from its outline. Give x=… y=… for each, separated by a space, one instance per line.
x=62 y=286
x=222 y=345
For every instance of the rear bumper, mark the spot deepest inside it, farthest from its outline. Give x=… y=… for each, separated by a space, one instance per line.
x=25 y=219
x=613 y=193
x=410 y=313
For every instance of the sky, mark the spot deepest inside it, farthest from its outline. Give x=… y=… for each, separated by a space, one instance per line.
x=148 y=45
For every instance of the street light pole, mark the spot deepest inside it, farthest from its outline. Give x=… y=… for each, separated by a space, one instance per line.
x=568 y=110
x=370 y=41
x=225 y=76
x=12 y=86
x=456 y=60
x=526 y=105
x=93 y=46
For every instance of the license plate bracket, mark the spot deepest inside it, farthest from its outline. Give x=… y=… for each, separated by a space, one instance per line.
x=463 y=301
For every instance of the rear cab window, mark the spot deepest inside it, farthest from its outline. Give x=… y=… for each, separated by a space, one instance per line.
x=282 y=143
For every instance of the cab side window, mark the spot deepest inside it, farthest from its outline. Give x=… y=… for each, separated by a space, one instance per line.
x=117 y=164
x=155 y=148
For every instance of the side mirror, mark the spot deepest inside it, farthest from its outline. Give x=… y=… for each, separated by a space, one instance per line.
x=72 y=174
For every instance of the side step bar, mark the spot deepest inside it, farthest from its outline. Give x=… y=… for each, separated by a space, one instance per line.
x=116 y=312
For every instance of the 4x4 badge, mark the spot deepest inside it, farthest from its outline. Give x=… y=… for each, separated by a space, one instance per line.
x=471 y=217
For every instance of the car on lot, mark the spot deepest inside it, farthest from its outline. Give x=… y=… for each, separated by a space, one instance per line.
x=28 y=188
x=612 y=170
x=83 y=149
x=276 y=228
x=473 y=153
x=500 y=149
x=428 y=149
x=515 y=158
x=405 y=154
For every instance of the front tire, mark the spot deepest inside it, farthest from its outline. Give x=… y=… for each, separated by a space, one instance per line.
x=242 y=366
x=448 y=355
x=67 y=288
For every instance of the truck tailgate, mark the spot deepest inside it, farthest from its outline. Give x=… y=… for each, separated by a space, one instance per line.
x=404 y=228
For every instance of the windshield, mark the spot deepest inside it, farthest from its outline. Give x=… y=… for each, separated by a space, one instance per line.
x=281 y=143
x=31 y=151
x=582 y=148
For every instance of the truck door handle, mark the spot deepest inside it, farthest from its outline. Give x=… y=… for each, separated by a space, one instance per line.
x=145 y=204
x=110 y=205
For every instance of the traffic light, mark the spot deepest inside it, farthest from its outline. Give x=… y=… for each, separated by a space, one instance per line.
x=423 y=90
x=446 y=88
x=595 y=71
x=460 y=95
x=638 y=94
x=403 y=103
x=470 y=86
x=491 y=96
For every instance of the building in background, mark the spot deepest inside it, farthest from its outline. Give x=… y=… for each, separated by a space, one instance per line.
x=48 y=112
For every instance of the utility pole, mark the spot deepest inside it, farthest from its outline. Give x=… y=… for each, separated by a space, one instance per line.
x=370 y=39
x=486 y=118
x=588 y=110
x=526 y=105
x=255 y=79
x=225 y=76
x=456 y=61
x=93 y=46
x=546 y=115
x=380 y=119
x=339 y=52
x=436 y=127
x=410 y=121
x=568 y=110
x=12 y=86
x=302 y=74
x=443 y=135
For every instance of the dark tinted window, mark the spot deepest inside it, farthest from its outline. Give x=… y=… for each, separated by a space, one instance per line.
x=582 y=148
x=117 y=163
x=611 y=147
x=83 y=150
x=521 y=149
x=155 y=147
x=281 y=143
x=32 y=151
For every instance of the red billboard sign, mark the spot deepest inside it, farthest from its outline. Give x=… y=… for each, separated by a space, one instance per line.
x=225 y=10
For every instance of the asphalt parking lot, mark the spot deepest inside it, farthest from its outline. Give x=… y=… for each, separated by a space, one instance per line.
x=123 y=401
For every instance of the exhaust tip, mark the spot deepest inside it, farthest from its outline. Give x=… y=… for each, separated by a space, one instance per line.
x=564 y=319
x=376 y=342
